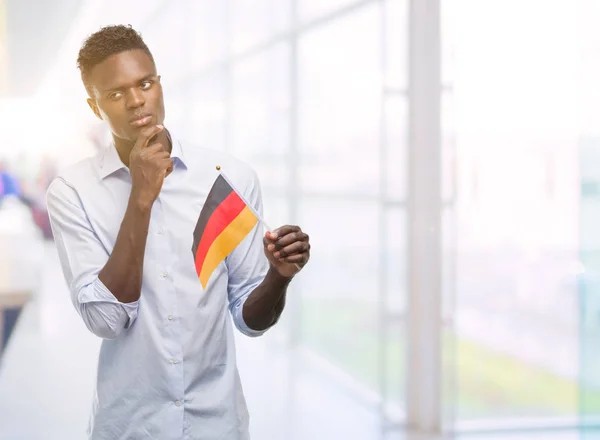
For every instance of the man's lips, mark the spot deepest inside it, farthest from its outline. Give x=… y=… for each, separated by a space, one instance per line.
x=141 y=120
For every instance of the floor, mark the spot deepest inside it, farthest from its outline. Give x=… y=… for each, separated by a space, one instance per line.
x=47 y=376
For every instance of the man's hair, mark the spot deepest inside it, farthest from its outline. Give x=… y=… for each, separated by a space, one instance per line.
x=109 y=40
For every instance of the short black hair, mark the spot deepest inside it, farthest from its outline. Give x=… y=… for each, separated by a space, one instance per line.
x=109 y=40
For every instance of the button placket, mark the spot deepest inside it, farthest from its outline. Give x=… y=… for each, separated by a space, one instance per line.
x=166 y=276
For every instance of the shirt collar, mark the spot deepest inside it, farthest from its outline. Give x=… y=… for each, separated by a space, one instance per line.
x=177 y=152
x=110 y=162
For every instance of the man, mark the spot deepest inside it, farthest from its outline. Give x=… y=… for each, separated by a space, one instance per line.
x=123 y=222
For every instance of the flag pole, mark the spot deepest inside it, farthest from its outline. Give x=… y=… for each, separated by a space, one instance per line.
x=249 y=205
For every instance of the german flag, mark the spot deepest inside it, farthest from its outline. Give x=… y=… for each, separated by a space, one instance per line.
x=224 y=222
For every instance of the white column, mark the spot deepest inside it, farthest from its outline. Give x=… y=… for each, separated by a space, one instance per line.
x=424 y=372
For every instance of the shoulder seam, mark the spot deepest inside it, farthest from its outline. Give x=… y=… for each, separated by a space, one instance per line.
x=62 y=179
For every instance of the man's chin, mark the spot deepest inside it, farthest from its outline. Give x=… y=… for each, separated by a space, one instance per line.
x=130 y=134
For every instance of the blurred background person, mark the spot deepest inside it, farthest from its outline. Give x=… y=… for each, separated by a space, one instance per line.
x=9 y=183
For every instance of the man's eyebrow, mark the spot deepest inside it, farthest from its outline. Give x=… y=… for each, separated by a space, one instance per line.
x=145 y=78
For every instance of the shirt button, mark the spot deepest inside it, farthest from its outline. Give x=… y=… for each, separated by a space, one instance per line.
x=170 y=317
x=178 y=403
x=164 y=274
x=160 y=231
x=174 y=361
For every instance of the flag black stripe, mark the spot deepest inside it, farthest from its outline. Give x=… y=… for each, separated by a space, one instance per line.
x=219 y=192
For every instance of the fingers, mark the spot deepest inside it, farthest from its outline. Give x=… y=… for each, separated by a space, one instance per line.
x=290 y=238
x=156 y=148
x=284 y=230
x=288 y=244
x=298 y=247
x=167 y=165
x=300 y=259
x=146 y=134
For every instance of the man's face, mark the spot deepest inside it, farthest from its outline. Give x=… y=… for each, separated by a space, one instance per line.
x=127 y=94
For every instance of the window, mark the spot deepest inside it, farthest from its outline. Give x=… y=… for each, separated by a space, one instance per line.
x=255 y=21
x=340 y=286
x=395 y=43
x=340 y=105
x=396 y=160
x=261 y=115
x=206 y=123
x=208 y=33
x=516 y=293
x=313 y=9
x=168 y=47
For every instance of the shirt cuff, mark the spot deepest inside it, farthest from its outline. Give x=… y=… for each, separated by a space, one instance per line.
x=100 y=293
x=241 y=324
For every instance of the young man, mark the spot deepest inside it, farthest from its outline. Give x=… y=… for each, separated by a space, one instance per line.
x=123 y=223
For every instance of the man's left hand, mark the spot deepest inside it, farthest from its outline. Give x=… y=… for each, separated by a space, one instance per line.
x=287 y=248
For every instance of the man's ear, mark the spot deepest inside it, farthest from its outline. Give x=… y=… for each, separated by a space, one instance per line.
x=92 y=103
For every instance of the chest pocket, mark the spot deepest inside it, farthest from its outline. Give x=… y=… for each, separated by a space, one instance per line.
x=171 y=233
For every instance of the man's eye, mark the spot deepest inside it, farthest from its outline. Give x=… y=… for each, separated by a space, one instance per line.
x=115 y=95
x=146 y=85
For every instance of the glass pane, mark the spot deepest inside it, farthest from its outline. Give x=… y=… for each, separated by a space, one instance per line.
x=260 y=114
x=339 y=105
x=448 y=263
x=394 y=256
x=395 y=248
x=140 y=18
x=254 y=21
x=589 y=279
x=516 y=291
x=166 y=42
x=276 y=209
x=396 y=160
x=517 y=212
x=396 y=43
x=589 y=68
x=447 y=8
x=395 y=370
x=207 y=33
x=448 y=147
x=339 y=286
x=449 y=361
x=311 y=9
x=176 y=100
x=205 y=125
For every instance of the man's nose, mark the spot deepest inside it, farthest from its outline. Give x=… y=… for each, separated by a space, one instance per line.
x=135 y=98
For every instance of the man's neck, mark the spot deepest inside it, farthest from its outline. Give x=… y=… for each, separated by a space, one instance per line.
x=124 y=147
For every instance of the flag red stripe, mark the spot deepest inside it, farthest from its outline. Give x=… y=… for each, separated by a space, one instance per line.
x=222 y=216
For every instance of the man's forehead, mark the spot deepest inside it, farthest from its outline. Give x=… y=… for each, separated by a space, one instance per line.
x=122 y=69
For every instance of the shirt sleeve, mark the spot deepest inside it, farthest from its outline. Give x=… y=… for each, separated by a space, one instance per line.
x=247 y=265
x=82 y=256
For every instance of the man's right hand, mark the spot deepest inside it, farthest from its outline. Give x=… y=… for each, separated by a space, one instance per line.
x=148 y=165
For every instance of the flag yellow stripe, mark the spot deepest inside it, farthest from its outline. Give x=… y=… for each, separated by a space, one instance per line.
x=226 y=242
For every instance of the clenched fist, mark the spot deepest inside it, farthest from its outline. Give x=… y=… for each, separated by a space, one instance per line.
x=287 y=249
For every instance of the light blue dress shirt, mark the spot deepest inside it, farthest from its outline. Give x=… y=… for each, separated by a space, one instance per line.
x=167 y=366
